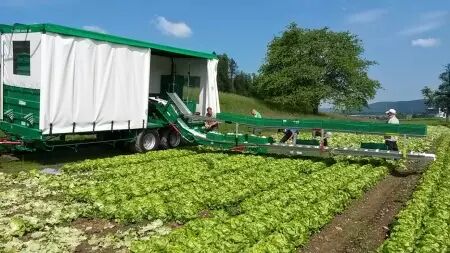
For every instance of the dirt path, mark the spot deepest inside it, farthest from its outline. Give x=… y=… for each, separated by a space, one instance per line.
x=364 y=224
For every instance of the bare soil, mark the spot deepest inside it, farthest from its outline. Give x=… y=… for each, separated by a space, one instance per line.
x=364 y=225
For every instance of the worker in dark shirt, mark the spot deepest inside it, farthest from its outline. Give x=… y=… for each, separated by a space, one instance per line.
x=288 y=133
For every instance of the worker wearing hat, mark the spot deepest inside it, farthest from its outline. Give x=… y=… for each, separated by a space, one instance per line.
x=391 y=141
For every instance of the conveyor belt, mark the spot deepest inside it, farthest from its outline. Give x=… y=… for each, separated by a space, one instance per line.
x=328 y=124
x=194 y=135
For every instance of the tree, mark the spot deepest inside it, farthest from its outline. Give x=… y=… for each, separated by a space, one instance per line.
x=223 y=76
x=440 y=98
x=243 y=83
x=233 y=68
x=305 y=67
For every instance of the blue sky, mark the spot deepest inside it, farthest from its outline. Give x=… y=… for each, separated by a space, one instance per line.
x=410 y=40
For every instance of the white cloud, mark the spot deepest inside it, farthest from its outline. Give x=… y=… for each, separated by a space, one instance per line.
x=176 y=29
x=429 y=42
x=430 y=21
x=366 y=16
x=94 y=28
x=421 y=28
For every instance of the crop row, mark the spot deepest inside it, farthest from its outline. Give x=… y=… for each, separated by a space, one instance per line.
x=424 y=225
x=278 y=220
x=116 y=161
x=411 y=144
x=181 y=192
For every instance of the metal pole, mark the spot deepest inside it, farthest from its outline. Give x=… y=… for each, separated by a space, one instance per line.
x=188 y=82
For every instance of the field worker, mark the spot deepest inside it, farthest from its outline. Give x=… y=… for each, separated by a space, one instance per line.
x=391 y=141
x=210 y=124
x=288 y=133
x=326 y=136
x=257 y=115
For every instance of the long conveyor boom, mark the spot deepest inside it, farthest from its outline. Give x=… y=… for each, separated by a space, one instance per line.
x=176 y=115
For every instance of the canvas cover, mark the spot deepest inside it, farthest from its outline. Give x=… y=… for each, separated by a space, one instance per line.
x=88 y=85
x=32 y=81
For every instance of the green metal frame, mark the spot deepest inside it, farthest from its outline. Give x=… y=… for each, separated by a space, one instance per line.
x=75 y=32
x=330 y=125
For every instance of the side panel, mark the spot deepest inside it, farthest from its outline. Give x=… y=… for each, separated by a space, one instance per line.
x=92 y=86
x=21 y=106
x=20 y=84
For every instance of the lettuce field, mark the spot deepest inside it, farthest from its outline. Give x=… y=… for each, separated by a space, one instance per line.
x=199 y=200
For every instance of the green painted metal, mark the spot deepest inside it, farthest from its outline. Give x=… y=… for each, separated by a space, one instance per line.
x=308 y=142
x=372 y=145
x=329 y=125
x=191 y=105
x=259 y=139
x=75 y=32
x=237 y=138
x=155 y=123
x=21 y=107
x=215 y=136
x=21 y=132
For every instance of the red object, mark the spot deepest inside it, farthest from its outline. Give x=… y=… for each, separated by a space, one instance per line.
x=5 y=141
x=175 y=128
x=239 y=148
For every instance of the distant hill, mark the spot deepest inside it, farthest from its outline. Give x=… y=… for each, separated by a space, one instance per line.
x=405 y=107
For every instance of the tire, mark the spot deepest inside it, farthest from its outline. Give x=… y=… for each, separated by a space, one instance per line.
x=147 y=140
x=164 y=140
x=174 y=139
x=169 y=139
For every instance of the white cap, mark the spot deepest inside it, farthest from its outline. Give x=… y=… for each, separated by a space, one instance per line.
x=392 y=111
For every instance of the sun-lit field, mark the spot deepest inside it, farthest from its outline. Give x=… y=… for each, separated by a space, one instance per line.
x=190 y=199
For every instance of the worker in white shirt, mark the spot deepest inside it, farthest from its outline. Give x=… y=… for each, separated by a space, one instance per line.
x=391 y=141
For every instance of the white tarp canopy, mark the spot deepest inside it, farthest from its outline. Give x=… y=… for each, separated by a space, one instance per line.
x=88 y=82
x=33 y=81
x=88 y=85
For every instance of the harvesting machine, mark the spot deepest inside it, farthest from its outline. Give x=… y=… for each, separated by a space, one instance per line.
x=58 y=82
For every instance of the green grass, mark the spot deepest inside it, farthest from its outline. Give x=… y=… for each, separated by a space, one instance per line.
x=234 y=103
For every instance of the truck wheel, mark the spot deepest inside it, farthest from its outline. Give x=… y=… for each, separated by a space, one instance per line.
x=147 y=140
x=164 y=141
x=174 y=139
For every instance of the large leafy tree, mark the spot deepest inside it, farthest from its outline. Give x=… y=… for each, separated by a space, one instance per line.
x=305 y=67
x=439 y=98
